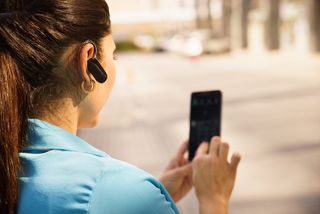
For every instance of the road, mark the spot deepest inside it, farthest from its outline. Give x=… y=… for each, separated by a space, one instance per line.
x=271 y=115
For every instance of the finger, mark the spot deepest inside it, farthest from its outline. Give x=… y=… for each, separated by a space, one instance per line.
x=203 y=149
x=224 y=151
x=235 y=160
x=214 y=147
x=183 y=161
x=182 y=149
x=185 y=170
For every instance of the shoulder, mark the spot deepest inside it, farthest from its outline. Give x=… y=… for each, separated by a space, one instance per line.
x=61 y=173
x=124 y=188
x=96 y=184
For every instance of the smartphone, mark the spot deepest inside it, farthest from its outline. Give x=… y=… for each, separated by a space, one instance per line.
x=205 y=118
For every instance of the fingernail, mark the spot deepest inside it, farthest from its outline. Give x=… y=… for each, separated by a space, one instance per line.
x=237 y=154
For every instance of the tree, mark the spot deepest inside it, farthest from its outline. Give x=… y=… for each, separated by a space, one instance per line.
x=314 y=8
x=226 y=19
x=203 y=13
x=245 y=9
x=272 y=31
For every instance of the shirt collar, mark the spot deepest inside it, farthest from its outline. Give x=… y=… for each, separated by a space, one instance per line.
x=43 y=136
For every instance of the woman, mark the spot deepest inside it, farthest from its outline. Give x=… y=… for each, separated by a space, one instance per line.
x=50 y=53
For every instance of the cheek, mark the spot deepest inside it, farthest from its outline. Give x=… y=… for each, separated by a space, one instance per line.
x=102 y=92
x=94 y=103
x=109 y=66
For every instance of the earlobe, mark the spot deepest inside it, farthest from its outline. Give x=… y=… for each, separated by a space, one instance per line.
x=88 y=89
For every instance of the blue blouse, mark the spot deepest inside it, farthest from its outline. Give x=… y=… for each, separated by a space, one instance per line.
x=62 y=174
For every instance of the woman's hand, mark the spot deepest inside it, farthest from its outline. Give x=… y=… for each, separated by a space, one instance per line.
x=177 y=177
x=214 y=176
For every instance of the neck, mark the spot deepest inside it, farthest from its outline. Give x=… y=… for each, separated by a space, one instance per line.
x=65 y=117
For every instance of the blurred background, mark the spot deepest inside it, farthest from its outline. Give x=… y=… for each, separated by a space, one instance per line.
x=263 y=55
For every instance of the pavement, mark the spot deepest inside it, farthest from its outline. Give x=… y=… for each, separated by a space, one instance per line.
x=271 y=115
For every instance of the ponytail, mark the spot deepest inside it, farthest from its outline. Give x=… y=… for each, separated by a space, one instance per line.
x=13 y=129
x=34 y=35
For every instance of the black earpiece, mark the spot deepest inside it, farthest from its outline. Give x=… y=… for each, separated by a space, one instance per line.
x=94 y=66
x=97 y=71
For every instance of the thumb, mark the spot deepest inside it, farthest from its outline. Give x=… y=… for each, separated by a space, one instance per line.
x=203 y=148
x=235 y=160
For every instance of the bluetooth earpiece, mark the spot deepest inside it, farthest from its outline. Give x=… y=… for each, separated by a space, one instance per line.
x=94 y=66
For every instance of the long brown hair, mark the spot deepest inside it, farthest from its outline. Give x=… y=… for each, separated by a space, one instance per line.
x=34 y=34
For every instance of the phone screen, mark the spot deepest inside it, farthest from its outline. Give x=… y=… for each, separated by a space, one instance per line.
x=205 y=118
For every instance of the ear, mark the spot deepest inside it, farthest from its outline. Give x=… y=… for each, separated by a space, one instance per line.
x=86 y=53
